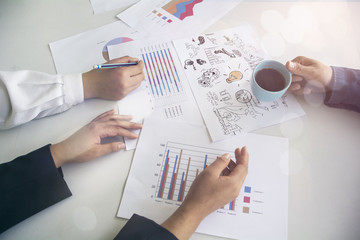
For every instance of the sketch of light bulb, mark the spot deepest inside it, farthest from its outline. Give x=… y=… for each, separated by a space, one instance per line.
x=234 y=76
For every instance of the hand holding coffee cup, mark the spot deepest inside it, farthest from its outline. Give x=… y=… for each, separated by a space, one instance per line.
x=309 y=75
x=270 y=80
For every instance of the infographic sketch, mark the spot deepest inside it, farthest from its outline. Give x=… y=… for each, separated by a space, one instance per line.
x=221 y=82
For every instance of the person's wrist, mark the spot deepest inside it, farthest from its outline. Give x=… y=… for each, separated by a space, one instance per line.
x=183 y=222
x=192 y=211
x=328 y=78
x=58 y=154
x=89 y=91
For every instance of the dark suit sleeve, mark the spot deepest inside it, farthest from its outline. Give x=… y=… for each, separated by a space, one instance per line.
x=29 y=184
x=141 y=228
x=346 y=89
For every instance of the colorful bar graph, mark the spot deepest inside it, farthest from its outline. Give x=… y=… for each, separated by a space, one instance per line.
x=160 y=70
x=176 y=175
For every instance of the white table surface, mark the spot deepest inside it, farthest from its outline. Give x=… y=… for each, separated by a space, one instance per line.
x=324 y=174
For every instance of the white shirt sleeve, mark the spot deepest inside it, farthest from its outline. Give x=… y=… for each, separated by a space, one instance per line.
x=27 y=95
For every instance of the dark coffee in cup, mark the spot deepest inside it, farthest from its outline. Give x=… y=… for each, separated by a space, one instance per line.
x=270 y=80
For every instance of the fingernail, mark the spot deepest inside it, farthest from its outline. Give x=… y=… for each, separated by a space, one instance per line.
x=226 y=156
x=121 y=145
x=292 y=64
x=135 y=135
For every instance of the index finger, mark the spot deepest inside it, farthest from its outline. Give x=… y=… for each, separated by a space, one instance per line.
x=125 y=59
x=105 y=114
x=242 y=162
x=304 y=60
x=219 y=164
x=136 y=69
x=297 y=78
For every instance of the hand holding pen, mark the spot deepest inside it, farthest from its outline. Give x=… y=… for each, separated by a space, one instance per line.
x=113 y=80
x=115 y=65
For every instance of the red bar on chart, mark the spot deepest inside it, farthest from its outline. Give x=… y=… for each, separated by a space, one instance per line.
x=164 y=176
x=232 y=205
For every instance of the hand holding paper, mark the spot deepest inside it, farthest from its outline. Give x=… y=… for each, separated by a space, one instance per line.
x=85 y=144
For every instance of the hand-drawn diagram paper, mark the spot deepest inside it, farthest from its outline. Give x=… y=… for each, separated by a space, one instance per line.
x=170 y=155
x=100 y=6
x=175 y=18
x=219 y=67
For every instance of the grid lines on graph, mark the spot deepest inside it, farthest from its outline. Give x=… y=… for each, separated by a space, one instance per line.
x=182 y=163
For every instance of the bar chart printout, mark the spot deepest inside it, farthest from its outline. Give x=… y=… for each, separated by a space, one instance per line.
x=171 y=155
x=161 y=71
x=181 y=164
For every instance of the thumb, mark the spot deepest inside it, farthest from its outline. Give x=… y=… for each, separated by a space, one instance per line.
x=220 y=164
x=299 y=69
x=103 y=149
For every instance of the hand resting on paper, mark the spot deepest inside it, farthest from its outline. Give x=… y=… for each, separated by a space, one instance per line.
x=114 y=83
x=85 y=144
x=209 y=191
x=309 y=75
